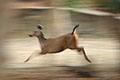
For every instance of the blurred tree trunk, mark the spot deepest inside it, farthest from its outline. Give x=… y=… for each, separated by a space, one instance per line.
x=3 y=28
x=6 y=25
x=57 y=18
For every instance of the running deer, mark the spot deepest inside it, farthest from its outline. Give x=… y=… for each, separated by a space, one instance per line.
x=55 y=45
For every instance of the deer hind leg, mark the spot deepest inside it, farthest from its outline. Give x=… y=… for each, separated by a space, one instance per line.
x=82 y=49
x=34 y=55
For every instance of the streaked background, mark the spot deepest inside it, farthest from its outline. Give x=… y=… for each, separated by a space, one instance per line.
x=99 y=31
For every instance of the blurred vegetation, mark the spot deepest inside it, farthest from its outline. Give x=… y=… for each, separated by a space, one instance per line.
x=110 y=5
x=75 y=3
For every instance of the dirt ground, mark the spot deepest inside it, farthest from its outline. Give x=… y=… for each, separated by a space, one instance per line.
x=65 y=65
x=57 y=73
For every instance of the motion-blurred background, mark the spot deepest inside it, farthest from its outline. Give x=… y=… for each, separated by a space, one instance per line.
x=99 y=33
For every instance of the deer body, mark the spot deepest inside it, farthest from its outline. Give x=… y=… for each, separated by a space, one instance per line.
x=55 y=45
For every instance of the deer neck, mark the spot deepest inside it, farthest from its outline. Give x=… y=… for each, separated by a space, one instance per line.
x=41 y=39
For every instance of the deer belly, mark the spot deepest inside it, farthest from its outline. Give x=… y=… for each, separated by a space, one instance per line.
x=55 y=48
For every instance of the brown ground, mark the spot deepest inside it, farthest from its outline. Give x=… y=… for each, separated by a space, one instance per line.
x=56 y=73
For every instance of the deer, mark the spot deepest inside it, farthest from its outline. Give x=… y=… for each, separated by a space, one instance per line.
x=58 y=44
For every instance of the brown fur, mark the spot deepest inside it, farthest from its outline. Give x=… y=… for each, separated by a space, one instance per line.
x=55 y=45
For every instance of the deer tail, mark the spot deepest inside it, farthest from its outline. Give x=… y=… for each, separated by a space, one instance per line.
x=74 y=29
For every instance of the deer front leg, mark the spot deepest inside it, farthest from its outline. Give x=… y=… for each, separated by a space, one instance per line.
x=34 y=55
x=82 y=49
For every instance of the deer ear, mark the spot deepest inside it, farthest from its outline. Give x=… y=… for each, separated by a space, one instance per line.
x=39 y=26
